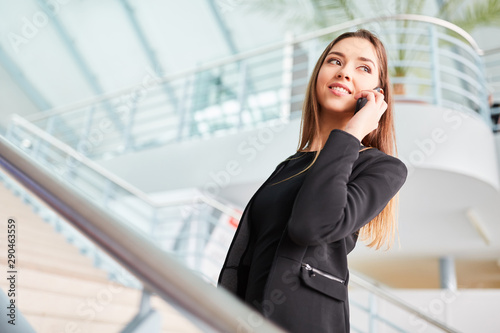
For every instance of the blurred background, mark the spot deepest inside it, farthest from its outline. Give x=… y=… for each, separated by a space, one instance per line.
x=170 y=114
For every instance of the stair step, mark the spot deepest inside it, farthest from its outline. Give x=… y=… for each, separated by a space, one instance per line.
x=79 y=269
x=105 y=306
x=44 y=324
x=30 y=239
x=29 y=278
x=32 y=227
x=69 y=254
x=100 y=307
x=60 y=248
x=58 y=325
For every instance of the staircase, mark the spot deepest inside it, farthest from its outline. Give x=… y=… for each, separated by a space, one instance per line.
x=59 y=289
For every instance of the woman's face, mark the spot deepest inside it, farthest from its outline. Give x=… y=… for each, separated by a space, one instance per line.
x=350 y=66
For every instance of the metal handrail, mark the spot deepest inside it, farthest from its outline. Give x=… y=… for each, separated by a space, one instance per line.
x=380 y=292
x=214 y=310
x=276 y=46
x=115 y=179
x=491 y=51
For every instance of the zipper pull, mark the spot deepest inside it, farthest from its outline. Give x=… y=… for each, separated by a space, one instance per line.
x=309 y=269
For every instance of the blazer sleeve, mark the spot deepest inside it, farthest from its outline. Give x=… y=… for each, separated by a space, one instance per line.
x=328 y=206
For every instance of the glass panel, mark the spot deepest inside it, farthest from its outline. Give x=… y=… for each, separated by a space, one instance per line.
x=64 y=282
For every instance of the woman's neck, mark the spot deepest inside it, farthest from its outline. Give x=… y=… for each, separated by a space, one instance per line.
x=328 y=123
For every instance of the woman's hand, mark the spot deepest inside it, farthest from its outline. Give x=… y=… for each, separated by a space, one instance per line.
x=366 y=120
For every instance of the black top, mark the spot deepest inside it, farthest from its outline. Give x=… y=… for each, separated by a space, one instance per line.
x=343 y=191
x=269 y=213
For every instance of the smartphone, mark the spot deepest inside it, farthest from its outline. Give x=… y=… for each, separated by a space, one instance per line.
x=362 y=101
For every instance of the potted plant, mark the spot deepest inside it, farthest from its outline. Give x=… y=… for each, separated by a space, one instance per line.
x=312 y=15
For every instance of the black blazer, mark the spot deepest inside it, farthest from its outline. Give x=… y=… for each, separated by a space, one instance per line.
x=306 y=290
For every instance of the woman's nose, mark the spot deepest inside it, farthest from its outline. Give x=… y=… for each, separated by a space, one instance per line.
x=342 y=74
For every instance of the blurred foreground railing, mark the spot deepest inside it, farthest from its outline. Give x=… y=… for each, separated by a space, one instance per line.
x=211 y=309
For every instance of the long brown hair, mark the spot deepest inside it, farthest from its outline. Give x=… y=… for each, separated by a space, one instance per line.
x=383 y=227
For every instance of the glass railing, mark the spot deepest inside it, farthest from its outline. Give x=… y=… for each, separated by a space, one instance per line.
x=492 y=66
x=195 y=229
x=431 y=61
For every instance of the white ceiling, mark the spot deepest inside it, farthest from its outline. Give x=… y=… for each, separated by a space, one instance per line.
x=107 y=47
x=179 y=34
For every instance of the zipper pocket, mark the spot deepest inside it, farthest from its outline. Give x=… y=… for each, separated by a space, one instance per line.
x=312 y=271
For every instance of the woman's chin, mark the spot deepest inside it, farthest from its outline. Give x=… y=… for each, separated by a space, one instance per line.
x=338 y=110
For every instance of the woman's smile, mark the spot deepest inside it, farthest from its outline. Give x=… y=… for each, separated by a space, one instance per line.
x=339 y=89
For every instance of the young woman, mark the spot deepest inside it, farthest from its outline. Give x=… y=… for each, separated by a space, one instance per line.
x=288 y=258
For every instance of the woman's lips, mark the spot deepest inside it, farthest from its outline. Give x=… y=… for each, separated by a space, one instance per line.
x=339 y=91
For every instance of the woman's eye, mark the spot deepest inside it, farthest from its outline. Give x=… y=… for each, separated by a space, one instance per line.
x=366 y=69
x=335 y=61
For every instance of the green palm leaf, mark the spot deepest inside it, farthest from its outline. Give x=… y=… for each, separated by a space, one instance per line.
x=478 y=14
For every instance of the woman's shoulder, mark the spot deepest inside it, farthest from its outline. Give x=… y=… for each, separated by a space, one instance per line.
x=300 y=153
x=367 y=155
x=372 y=156
x=371 y=153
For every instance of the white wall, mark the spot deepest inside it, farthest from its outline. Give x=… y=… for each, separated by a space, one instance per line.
x=232 y=164
x=467 y=311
